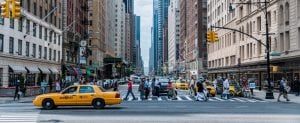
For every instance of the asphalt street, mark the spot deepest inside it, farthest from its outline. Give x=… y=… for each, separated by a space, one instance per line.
x=155 y=111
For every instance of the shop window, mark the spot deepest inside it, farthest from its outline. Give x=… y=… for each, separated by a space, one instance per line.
x=30 y=80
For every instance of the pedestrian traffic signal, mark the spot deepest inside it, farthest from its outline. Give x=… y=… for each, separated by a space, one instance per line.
x=16 y=9
x=5 y=10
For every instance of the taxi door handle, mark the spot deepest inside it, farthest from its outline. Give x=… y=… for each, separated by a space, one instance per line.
x=73 y=95
x=92 y=94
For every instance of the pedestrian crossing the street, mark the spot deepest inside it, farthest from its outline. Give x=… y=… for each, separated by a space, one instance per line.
x=19 y=118
x=192 y=98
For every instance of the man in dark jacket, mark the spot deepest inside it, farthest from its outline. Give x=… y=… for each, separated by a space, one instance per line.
x=17 y=90
x=297 y=86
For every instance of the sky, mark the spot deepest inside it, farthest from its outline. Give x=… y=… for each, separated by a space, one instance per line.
x=144 y=8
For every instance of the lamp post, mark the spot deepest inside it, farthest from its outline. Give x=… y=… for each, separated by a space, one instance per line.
x=269 y=92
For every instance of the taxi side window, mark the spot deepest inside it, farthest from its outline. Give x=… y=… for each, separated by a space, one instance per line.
x=86 y=89
x=70 y=90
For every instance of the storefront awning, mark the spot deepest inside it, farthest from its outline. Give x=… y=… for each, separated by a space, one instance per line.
x=53 y=70
x=18 y=69
x=44 y=70
x=32 y=69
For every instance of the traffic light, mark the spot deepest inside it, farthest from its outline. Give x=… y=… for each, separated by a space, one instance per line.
x=5 y=10
x=209 y=36
x=215 y=37
x=16 y=9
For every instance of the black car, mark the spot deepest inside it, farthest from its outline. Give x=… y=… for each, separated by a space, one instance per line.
x=163 y=87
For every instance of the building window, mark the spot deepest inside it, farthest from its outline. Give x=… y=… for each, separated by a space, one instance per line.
x=58 y=56
x=298 y=8
x=259 y=24
x=58 y=39
x=281 y=17
x=20 y=24
x=54 y=38
x=11 y=45
x=34 y=8
x=1 y=18
x=33 y=50
x=12 y=23
x=27 y=49
x=1 y=42
x=281 y=42
x=41 y=12
x=287 y=13
x=34 y=29
x=287 y=39
x=45 y=53
x=27 y=27
x=50 y=54
x=45 y=34
x=269 y=19
x=20 y=47
x=40 y=51
x=54 y=55
x=40 y=31
x=50 y=35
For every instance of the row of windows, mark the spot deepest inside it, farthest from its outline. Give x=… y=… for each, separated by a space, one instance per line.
x=34 y=29
x=222 y=62
x=16 y=47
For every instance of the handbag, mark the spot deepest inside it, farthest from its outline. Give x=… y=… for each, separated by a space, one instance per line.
x=20 y=92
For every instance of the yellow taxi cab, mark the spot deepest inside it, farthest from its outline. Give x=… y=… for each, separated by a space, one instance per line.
x=181 y=84
x=211 y=89
x=78 y=95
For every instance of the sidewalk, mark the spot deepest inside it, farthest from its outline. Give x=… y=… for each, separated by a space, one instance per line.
x=4 y=100
x=262 y=94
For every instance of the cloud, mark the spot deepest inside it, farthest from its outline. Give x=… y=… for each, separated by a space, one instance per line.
x=144 y=8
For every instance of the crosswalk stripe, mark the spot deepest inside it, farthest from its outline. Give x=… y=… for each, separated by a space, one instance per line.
x=159 y=99
x=179 y=98
x=231 y=100
x=238 y=99
x=187 y=97
x=250 y=100
x=19 y=118
x=217 y=98
x=211 y=99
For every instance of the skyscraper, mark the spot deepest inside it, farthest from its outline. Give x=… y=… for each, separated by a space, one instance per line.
x=160 y=14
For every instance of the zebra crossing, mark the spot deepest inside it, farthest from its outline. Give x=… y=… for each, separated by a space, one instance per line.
x=19 y=118
x=192 y=98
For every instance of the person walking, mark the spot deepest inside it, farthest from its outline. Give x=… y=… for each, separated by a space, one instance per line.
x=129 y=90
x=297 y=85
x=141 y=89
x=283 y=90
x=116 y=85
x=17 y=91
x=225 y=94
x=192 y=86
x=147 y=89
x=57 y=86
x=156 y=87
x=43 y=86
x=200 y=94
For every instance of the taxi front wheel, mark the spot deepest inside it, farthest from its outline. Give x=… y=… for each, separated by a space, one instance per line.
x=98 y=103
x=48 y=104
